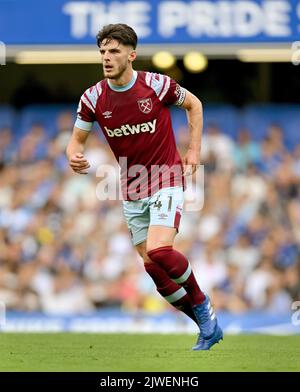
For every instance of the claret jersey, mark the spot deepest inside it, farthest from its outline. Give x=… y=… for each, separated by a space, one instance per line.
x=136 y=122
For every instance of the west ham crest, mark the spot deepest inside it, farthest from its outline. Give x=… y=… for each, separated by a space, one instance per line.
x=145 y=105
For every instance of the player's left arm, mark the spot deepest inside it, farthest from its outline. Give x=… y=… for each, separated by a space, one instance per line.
x=193 y=107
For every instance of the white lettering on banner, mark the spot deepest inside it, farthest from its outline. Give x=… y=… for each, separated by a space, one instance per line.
x=171 y=15
x=248 y=19
x=88 y=17
x=277 y=18
x=226 y=27
x=79 y=18
x=225 y=18
x=137 y=15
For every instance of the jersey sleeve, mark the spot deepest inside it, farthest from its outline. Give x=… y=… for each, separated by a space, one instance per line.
x=167 y=90
x=175 y=94
x=87 y=107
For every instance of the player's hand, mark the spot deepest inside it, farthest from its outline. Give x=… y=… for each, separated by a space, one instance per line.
x=79 y=164
x=191 y=162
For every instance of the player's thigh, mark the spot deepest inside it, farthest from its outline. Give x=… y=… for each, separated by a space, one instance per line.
x=165 y=213
x=137 y=217
x=159 y=236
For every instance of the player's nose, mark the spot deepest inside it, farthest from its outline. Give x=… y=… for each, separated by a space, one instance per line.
x=106 y=57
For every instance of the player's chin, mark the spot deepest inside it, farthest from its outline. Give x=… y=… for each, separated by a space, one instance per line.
x=109 y=73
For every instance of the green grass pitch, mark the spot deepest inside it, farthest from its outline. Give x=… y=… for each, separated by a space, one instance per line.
x=140 y=352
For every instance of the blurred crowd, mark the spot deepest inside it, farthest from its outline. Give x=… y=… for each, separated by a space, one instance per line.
x=63 y=251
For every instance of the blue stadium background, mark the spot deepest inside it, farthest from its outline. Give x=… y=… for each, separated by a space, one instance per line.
x=68 y=255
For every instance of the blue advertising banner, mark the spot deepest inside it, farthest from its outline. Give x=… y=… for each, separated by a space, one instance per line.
x=116 y=321
x=156 y=22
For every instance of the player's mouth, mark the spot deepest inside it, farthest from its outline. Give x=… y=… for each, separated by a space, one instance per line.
x=108 y=68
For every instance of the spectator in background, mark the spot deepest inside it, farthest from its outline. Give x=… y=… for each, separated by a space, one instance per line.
x=7 y=146
x=270 y=158
x=246 y=151
x=217 y=147
x=276 y=138
x=296 y=162
x=34 y=145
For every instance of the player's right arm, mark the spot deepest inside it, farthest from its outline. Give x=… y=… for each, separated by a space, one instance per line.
x=75 y=151
x=81 y=130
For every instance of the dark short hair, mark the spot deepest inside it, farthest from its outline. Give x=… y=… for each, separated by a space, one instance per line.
x=121 y=32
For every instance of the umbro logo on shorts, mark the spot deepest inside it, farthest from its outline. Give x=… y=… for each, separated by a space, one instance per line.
x=162 y=216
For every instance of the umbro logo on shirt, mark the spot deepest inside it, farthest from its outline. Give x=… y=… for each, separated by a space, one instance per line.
x=107 y=114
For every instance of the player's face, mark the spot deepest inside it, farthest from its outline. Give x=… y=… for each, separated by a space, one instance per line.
x=116 y=58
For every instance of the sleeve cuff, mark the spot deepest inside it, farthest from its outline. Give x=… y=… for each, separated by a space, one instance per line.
x=84 y=125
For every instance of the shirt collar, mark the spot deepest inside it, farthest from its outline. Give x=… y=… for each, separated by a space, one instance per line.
x=125 y=87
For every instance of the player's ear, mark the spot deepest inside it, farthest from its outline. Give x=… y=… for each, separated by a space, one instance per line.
x=132 y=55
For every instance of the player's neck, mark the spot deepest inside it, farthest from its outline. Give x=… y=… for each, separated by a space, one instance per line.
x=125 y=79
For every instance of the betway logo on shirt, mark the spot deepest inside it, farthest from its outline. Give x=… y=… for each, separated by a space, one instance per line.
x=126 y=130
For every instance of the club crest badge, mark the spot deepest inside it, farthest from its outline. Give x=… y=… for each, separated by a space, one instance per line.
x=145 y=105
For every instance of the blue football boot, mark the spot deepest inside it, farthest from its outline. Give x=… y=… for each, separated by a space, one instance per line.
x=210 y=332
